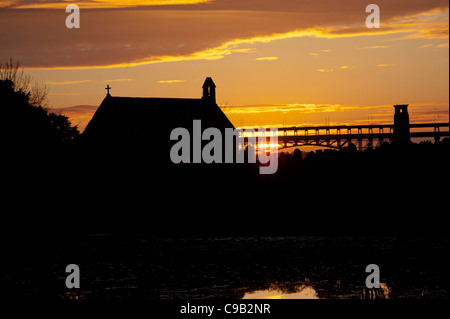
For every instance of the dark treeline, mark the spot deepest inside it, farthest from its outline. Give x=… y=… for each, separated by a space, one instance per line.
x=393 y=161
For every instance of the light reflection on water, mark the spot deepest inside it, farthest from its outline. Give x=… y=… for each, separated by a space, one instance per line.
x=253 y=268
x=381 y=293
x=307 y=291
x=303 y=292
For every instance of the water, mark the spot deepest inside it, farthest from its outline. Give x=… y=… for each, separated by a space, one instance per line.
x=297 y=267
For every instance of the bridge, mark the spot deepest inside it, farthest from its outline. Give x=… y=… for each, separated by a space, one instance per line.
x=339 y=136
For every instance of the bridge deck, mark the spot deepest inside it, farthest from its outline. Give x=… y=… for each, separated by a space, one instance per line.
x=363 y=136
x=328 y=139
x=351 y=127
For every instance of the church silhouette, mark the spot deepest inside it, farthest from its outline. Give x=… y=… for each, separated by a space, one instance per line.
x=125 y=121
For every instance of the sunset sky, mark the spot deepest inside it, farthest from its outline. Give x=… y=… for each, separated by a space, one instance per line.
x=284 y=62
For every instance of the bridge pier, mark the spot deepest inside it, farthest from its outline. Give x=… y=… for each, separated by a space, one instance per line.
x=346 y=141
x=370 y=142
x=437 y=136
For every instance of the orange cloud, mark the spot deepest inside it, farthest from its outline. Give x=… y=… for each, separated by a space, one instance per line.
x=127 y=38
x=171 y=81
x=84 y=81
x=233 y=46
x=118 y=80
x=426 y=46
x=99 y=4
x=325 y=70
x=66 y=82
x=377 y=47
x=267 y=58
x=442 y=45
x=8 y=3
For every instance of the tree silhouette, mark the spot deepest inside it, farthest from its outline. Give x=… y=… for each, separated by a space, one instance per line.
x=26 y=122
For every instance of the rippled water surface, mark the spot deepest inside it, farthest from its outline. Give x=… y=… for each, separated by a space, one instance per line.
x=140 y=266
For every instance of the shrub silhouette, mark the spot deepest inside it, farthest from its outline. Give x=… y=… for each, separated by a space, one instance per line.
x=26 y=124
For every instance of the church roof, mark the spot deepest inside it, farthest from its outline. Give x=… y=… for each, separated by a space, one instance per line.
x=130 y=118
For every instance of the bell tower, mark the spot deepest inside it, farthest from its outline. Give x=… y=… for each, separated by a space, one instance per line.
x=209 y=90
x=401 y=124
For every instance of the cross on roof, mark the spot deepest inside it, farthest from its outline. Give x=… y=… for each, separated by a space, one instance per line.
x=108 y=88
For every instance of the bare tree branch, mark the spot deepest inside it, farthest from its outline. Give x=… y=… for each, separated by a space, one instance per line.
x=11 y=69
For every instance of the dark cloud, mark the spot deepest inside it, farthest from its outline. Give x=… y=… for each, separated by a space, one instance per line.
x=107 y=37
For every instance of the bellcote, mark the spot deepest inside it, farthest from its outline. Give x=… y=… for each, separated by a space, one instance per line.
x=209 y=90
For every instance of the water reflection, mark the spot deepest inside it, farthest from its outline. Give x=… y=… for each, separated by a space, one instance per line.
x=381 y=293
x=251 y=268
x=307 y=291
x=303 y=292
x=74 y=295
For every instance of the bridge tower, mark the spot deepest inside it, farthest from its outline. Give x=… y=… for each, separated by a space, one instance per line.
x=401 y=124
x=209 y=90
